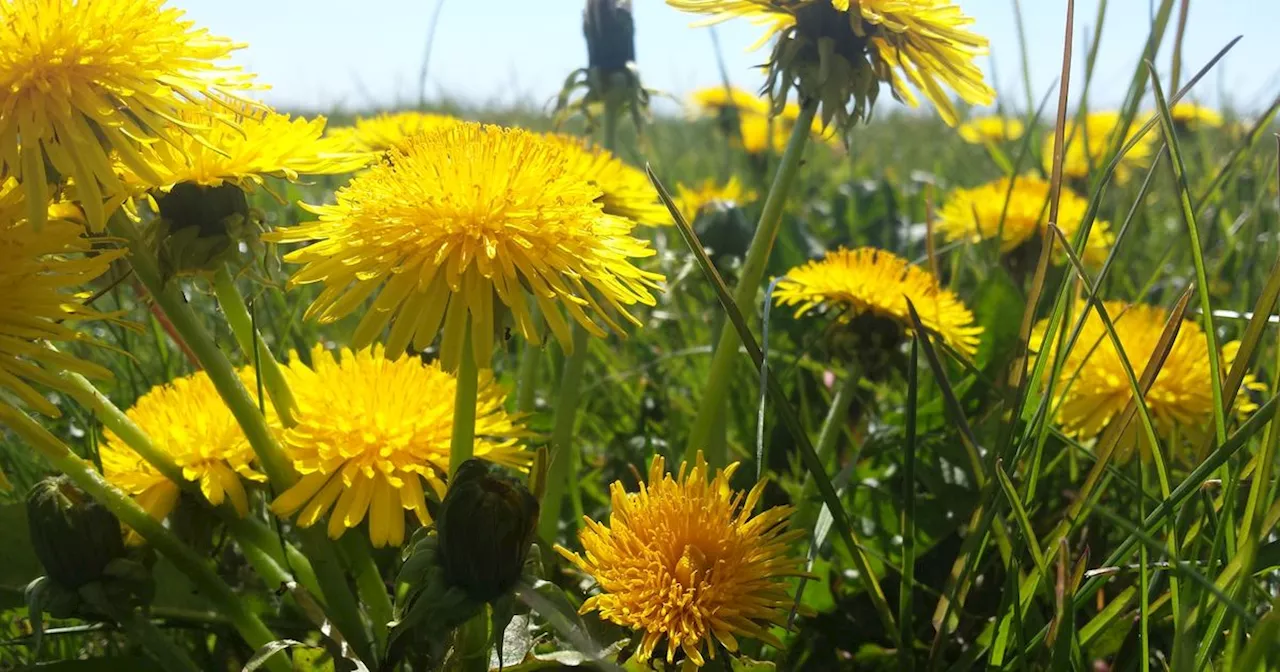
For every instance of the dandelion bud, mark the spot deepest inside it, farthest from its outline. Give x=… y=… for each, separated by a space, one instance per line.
x=200 y=226
x=610 y=33
x=486 y=526
x=74 y=537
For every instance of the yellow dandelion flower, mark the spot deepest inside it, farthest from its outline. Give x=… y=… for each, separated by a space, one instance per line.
x=262 y=143
x=688 y=560
x=1093 y=388
x=80 y=79
x=869 y=281
x=187 y=420
x=457 y=216
x=370 y=454
x=40 y=272
x=843 y=50
x=761 y=135
x=625 y=190
x=983 y=130
x=391 y=129
x=717 y=99
x=1191 y=116
x=692 y=201
x=976 y=214
x=1087 y=145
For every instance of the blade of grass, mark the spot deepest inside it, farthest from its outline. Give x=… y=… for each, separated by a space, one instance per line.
x=906 y=642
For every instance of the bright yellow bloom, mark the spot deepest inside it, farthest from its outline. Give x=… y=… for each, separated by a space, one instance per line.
x=1192 y=116
x=691 y=201
x=187 y=420
x=456 y=216
x=625 y=190
x=262 y=143
x=842 y=50
x=1088 y=144
x=40 y=272
x=991 y=129
x=80 y=79
x=870 y=281
x=1093 y=388
x=688 y=560
x=370 y=430
x=387 y=130
x=761 y=134
x=716 y=99
x=975 y=214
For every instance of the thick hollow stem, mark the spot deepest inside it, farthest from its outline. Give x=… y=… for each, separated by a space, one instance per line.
x=237 y=314
x=527 y=378
x=462 y=442
x=562 y=434
x=753 y=269
x=60 y=457
x=373 y=590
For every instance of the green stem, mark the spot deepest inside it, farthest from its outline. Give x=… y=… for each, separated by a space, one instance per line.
x=373 y=590
x=562 y=434
x=471 y=644
x=170 y=656
x=237 y=314
x=462 y=442
x=832 y=428
x=527 y=378
x=82 y=473
x=343 y=608
x=744 y=295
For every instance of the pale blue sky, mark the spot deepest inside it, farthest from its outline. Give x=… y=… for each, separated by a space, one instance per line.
x=320 y=54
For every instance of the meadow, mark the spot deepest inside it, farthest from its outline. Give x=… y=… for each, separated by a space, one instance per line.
x=776 y=382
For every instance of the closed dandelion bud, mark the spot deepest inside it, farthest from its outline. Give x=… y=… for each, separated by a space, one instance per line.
x=200 y=227
x=486 y=526
x=74 y=537
x=610 y=33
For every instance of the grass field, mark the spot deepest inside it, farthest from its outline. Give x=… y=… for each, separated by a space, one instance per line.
x=991 y=501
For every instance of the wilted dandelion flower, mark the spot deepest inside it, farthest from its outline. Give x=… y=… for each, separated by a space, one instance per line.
x=984 y=130
x=391 y=129
x=1018 y=214
x=870 y=282
x=81 y=79
x=691 y=201
x=1190 y=116
x=40 y=273
x=1093 y=388
x=1087 y=145
x=688 y=560
x=457 y=216
x=625 y=190
x=840 y=51
x=370 y=454
x=187 y=420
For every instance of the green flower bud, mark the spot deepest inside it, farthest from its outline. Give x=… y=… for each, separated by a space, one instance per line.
x=200 y=227
x=611 y=35
x=485 y=528
x=74 y=537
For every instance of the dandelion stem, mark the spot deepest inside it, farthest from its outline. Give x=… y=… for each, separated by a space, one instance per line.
x=753 y=269
x=82 y=473
x=562 y=434
x=832 y=426
x=527 y=375
x=462 y=443
x=233 y=307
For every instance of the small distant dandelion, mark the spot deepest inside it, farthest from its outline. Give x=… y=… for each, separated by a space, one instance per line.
x=384 y=131
x=985 y=130
x=458 y=217
x=841 y=51
x=761 y=135
x=710 y=195
x=41 y=276
x=1019 y=213
x=1093 y=388
x=718 y=99
x=187 y=420
x=687 y=560
x=1192 y=117
x=870 y=282
x=371 y=454
x=625 y=191
x=81 y=80
x=1087 y=145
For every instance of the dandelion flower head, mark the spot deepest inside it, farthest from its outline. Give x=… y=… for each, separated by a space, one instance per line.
x=983 y=130
x=711 y=195
x=625 y=190
x=1087 y=146
x=391 y=129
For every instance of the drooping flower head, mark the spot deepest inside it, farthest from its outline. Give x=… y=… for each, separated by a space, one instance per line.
x=687 y=560
x=873 y=282
x=841 y=51
x=456 y=217
x=371 y=431
x=1191 y=117
x=1093 y=388
x=391 y=129
x=42 y=274
x=625 y=190
x=187 y=420
x=1017 y=213
x=710 y=195
x=1087 y=146
x=80 y=79
x=983 y=130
